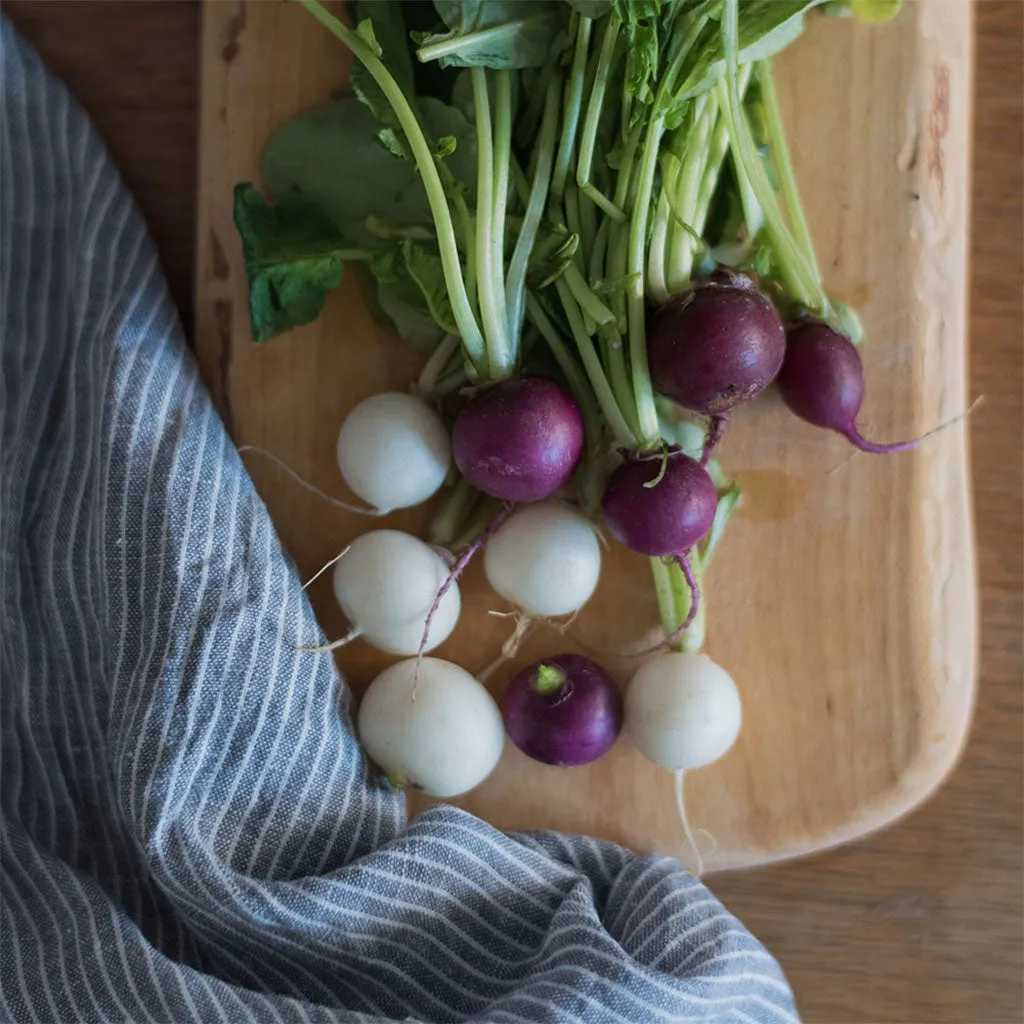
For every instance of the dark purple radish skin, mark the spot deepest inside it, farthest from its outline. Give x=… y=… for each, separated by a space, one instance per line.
x=822 y=382
x=663 y=518
x=564 y=710
x=717 y=345
x=518 y=440
x=661 y=505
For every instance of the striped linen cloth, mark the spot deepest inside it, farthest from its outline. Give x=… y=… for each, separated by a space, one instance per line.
x=190 y=831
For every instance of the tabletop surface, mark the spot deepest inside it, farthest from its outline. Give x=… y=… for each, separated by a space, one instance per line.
x=921 y=923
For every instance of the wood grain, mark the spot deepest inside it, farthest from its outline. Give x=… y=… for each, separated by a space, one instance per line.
x=923 y=922
x=843 y=600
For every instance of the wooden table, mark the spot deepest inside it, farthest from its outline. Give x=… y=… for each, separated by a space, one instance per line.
x=922 y=923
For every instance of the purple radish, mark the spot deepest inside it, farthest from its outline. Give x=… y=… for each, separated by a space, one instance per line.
x=662 y=506
x=564 y=710
x=717 y=345
x=518 y=440
x=665 y=516
x=822 y=382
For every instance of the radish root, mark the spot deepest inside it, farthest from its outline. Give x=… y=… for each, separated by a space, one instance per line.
x=349 y=636
x=690 y=838
x=363 y=510
x=456 y=571
x=716 y=431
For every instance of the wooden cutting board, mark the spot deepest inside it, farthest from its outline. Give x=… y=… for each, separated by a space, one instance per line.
x=843 y=598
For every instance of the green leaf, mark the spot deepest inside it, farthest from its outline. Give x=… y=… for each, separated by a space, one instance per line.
x=445 y=146
x=365 y=32
x=293 y=258
x=765 y=28
x=425 y=269
x=494 y=33
x=402 y=302
x=384 y=22
x=640 y=34
x=551 y=255
x=333 y=155
x=390 y=139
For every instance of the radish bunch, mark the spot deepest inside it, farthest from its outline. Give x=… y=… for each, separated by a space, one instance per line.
x=593 y=228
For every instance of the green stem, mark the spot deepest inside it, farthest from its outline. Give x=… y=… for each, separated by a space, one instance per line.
x=647 y=415
x=472 y=338
x=490 y=311
x=590 y=125
x=686 y=195
x=597 y=255
x=674 y=599
x=450 y=519
x=584 y=295
x=591 y=479
x=506 y=360
x=784 y=164
x=656 y=285
x=796 y=276
x=515 y=284
x=495 y=36
x=605 y=396
x=727 y=504
x=436 y=364
x=573 y=103
x=588 y=222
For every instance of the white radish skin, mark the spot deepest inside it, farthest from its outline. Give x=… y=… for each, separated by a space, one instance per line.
x=546 y=560
x=393 y=451
x=386 y=583
x=440 y=732
x=683 y=711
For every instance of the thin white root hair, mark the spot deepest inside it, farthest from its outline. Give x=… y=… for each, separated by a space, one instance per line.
x=510 y=647
x=349 y=636
x=681 y=807
x=363 y=510
x=352 y=634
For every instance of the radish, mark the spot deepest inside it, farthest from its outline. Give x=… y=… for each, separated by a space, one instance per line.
x=386 y=583
x=545 y=559
x=519 y=439
x=717 y=345
x=393 y=451
x=683 y=711
x=564 y=710
x=822 y=382
x=430 y=725
x=659 y=505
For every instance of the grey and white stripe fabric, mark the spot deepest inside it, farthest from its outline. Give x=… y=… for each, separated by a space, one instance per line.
x=190 y=831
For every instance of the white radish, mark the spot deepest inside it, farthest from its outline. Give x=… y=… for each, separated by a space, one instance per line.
x=386 y=583
x=683 y=711
x=545 y=559
x=393 y=451
x=433 y=727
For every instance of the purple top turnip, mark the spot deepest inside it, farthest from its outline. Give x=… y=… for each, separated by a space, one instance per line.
x=717 y=345
x=659 y=517
x=518 y=440
x=564 y=710
x=822 y=382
